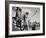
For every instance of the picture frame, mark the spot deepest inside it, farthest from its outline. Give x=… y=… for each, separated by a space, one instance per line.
x=37 y=8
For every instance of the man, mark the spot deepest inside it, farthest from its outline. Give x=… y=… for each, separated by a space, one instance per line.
x=18 y=18
x=25 y=21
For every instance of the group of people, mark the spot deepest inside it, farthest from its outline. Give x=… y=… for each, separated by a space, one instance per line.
x=21 y=22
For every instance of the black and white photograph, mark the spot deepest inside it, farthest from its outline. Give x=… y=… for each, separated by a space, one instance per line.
x=25 y=19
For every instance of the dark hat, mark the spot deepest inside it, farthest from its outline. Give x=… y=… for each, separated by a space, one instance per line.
x=27 y=13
